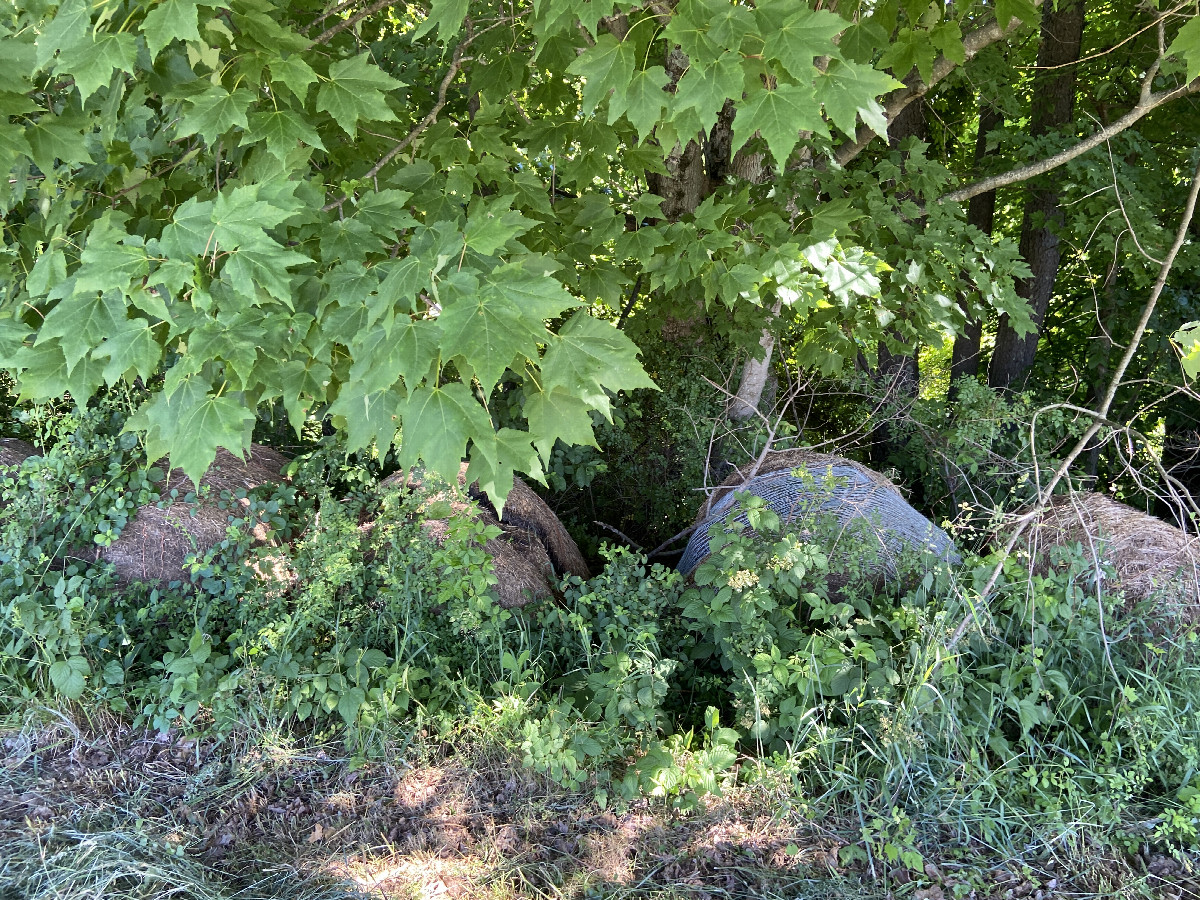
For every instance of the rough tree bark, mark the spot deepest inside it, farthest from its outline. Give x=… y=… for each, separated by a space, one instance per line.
x=756 y=372
x=1053 y=107
x=981 y=212
x=899 y=373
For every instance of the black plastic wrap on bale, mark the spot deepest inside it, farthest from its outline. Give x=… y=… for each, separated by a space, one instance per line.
x=863 y=503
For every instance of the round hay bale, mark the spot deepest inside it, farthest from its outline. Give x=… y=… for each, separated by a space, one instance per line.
x=534 y=549
x=155 y=543
x=13 y=452
x=1151 y=557
x=861 y=501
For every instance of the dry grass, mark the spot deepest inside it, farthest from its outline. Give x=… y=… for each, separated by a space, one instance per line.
x=112 y=813
x=106 y=812
x=1151 y=557
x=532 y=551
x=154 y=545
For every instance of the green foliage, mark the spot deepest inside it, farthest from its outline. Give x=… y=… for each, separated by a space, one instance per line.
x=389 y=224
x=974 y=458
x=1188 y=339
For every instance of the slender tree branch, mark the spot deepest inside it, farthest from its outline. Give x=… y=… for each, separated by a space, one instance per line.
x=329 y=33
x=430 y=118
x=622 y=535
x=634 y=292
x=1101 y=413
x=333 y=11
x=669 y=541
x=1147 y=104
x=973 y=43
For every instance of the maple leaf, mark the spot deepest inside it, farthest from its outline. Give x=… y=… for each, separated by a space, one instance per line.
x=214 y=112
x=729 y=25
x=111 y=259
x=779 y=115
x=493 y=224
x=301 y=383
x=494 y=459
x=355 y=91
x=590 y=355
x=368 y=416
x=408 y=351
x=605 y=67
x=67 y=30
x=171 y=20
x=60 y=137
x=131 y=347
x=281 y=129
x=13 y=144
x=1025 y=10
x=536 y=295
x=642 y=100
x=800 y=37
x=188 y=421
x=1187 y=45
x=81 y=321
x=704 y=89
x=848 y=90
x=489 y=330
x=43 y=374
x=438 y=422
x=447 y=15
x=294 y=73
x=557 y=415
x=93 y=61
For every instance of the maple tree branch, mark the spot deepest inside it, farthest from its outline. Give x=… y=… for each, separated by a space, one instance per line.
x=1147 y=104
x=328 y=34
x=430 y=117
x=333 y=11
x=1099 y=416
x=973 y=43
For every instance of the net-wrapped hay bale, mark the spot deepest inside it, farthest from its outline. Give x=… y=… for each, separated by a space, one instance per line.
x=534 y=549
x=1151 y=558
x=865 y=505
x=157 y=541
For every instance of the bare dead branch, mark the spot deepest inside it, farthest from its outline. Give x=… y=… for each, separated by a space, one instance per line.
x=1100 y=414
x=622 y=535
x=1147 y=104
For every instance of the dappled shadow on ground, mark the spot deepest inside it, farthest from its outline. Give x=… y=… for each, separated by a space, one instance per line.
x=447 y=823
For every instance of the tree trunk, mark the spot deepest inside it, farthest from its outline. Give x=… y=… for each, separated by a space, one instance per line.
x=1053 y=107
x=981 y=212
x=755 y=374
x=898 y=373
x=750 y=167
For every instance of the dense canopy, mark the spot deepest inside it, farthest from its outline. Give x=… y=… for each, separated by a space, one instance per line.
x=435 y=218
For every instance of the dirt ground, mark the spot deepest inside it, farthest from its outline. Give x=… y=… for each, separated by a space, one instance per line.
x=279 y=820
